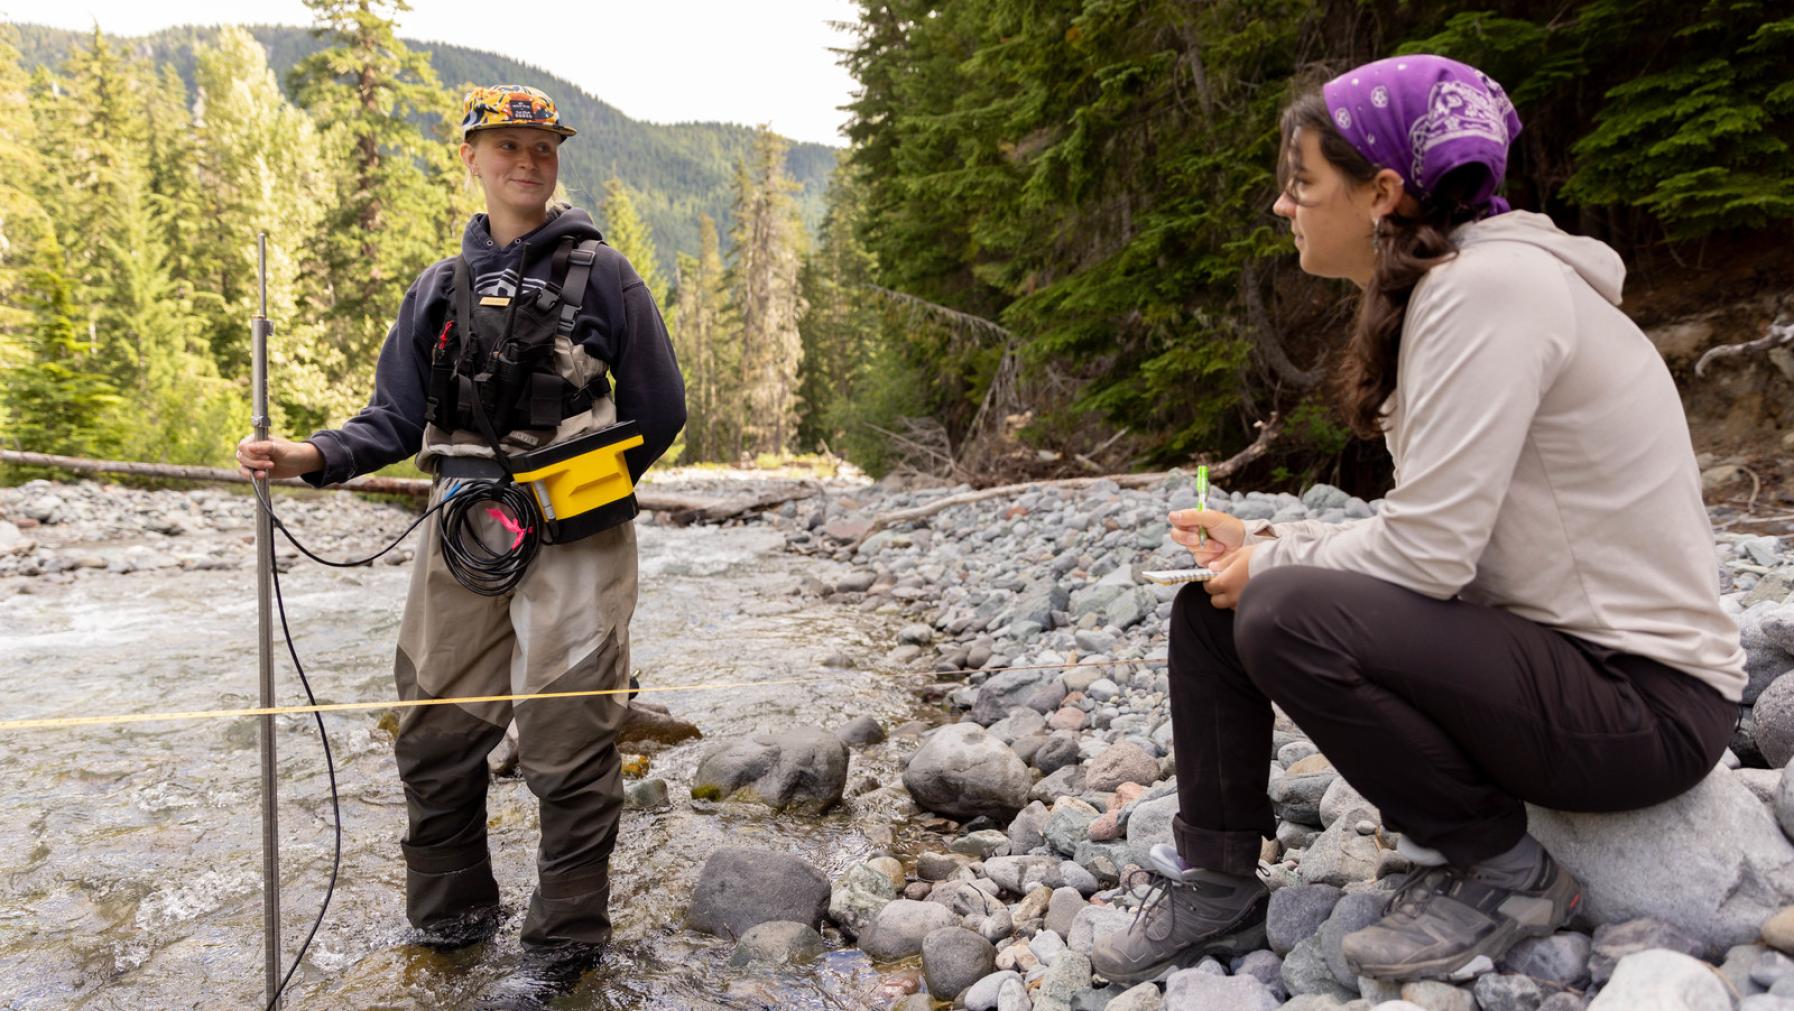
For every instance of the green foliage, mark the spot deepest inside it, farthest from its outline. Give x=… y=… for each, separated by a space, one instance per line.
x=839 y=322
x=765 y=297
x=1096 y=175
x=625 y=232
x=389 y=216
x=677 y=171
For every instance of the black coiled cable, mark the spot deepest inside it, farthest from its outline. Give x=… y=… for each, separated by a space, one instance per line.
x=475 y=564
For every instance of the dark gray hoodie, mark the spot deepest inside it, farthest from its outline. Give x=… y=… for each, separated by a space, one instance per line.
x=618 y=324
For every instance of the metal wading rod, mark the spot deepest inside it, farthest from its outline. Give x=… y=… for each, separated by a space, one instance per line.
x=259 y=330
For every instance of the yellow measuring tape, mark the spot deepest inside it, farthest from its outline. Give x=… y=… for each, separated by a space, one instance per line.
x=50 y=723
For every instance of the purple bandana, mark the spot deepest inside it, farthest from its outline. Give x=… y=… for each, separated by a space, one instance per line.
x=1424 y=116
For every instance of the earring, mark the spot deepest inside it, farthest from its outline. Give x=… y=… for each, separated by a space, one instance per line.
x=1376 y=236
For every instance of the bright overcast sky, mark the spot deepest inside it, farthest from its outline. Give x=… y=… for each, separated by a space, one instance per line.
x=665 y=61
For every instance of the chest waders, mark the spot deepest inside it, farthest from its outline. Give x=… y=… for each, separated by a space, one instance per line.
x=524 y=443
x=495 y=370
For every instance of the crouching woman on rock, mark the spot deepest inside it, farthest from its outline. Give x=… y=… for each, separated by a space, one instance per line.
x=1532 y=617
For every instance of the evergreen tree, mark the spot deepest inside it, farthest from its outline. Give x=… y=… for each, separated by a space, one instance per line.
x=701 y=318
x=55 y=400
x=625 y=231
x=386 y=218
x=767 y=240
x=840 y=320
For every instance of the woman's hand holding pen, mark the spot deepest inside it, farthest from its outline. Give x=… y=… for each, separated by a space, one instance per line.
x=1222 y=549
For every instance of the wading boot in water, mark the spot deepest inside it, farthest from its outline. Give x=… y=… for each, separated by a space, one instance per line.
x=1456 y=922
x=1189 y=913
x=546 y=972
x=452 y=933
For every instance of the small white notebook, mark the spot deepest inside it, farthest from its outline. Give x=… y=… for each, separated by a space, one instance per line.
x=1171 y=577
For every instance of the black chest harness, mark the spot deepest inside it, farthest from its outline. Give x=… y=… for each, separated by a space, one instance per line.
x=493 y=370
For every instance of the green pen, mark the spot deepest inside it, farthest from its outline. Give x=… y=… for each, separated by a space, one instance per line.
x=1201 y=501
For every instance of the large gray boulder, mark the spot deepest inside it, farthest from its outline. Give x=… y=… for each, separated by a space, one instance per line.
x=1661 y=980
x=1712 y=861
x=963 y=772
x=803 y=769
x=739 y=888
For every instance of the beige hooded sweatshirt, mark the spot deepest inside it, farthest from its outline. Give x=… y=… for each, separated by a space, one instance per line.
x=1542 y=459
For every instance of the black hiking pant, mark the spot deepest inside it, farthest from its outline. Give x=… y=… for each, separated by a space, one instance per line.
x=1448 y=716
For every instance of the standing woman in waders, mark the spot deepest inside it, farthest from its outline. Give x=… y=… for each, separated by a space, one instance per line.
x=1532 y=617
x=535 y=273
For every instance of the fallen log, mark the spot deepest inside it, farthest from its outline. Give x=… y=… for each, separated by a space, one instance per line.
x=681 y=509
x=415 y=487
x=1222 y=471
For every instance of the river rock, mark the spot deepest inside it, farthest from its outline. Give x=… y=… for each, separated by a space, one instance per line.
x=1778 y=931
x=1145 y=997
x=1006 y=690
x=1149 y=825
x=1298 y=796
x=963 y=772
x=1305 y=971
x=1662 y=980
x=1027 y=831
x=1058 y=751
x=954 y=958
x=1432 y=995
x=650 y=722
x=1561 y=958
x=1069 y=824
x=740 y=887
x=778 y=942
x=1340 y=856
x=1069 y=973
x=1613 y=942
x=1013 y=996
x=1667 y=862
x=1093 y=924
x=857 y=896
x=1784 y=802
x=1063 y=908
x=801 y=769
x=860 y=732
x=1118 y=764
x=1352 y=912
x=1195 y=990
x=1772 y=721
x=1341 y=802
x=1296 y=914
x=899 y=928
x=982 y=995
x=1018 y=874
x=966 y=899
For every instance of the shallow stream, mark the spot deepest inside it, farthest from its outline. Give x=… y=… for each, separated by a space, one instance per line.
x=131 y=856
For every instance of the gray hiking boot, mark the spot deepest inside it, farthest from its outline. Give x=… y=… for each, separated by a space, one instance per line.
x=1453 y=923
x=1188 y=914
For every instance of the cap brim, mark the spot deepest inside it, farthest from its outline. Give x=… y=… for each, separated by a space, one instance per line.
x=556 y=129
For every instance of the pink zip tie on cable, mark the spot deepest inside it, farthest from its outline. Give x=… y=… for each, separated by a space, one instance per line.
x=509 y=524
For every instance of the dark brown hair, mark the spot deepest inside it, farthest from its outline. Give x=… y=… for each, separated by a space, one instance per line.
x=1408 y=247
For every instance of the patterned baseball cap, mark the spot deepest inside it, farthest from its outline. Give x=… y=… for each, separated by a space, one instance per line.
x=510 y=105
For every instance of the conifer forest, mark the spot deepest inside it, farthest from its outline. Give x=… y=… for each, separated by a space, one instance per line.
x=1046 y=241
